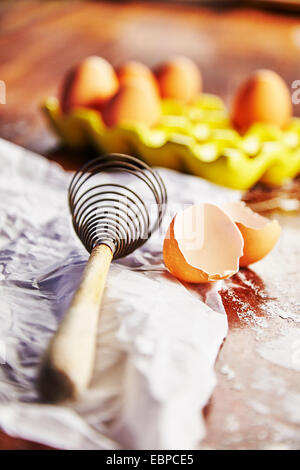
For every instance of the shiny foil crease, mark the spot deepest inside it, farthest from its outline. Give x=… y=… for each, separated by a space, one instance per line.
x=158 y=339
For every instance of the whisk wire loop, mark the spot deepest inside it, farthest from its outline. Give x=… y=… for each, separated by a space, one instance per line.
x=108 y=212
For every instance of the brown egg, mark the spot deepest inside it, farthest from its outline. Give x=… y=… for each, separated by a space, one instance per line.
x=263 y=97
x=202 y=244
x=135 y=102
x=179 y=79
x=137 y=71
x=90 y=84
x=259 y=233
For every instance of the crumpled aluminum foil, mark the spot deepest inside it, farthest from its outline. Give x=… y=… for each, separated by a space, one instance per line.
x=157 y=341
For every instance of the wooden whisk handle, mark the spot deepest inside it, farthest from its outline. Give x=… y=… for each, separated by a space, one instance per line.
x=67 y=365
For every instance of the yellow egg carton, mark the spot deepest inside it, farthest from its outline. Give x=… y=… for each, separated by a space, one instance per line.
x=196 y=138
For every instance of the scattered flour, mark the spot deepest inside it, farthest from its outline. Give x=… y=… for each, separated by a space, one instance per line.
x=284 y=350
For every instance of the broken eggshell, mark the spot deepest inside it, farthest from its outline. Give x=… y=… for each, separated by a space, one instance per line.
x=260 y=234
x=202 y=244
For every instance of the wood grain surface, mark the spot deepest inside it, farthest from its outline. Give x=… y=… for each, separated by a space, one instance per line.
x=40 y=41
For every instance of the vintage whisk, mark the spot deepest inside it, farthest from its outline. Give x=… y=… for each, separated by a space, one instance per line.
x=112 y=220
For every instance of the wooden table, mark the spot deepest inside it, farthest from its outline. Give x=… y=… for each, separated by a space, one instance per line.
x=40 y=41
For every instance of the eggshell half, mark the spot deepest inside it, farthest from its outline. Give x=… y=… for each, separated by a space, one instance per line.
x=135 y=102
x=179 y=79
x=202 y=244
x=259 y=233
x=90 y=84
x=137 y=71
x=263 y=97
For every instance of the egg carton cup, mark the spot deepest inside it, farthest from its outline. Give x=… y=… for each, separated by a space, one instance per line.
x=196 y=138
